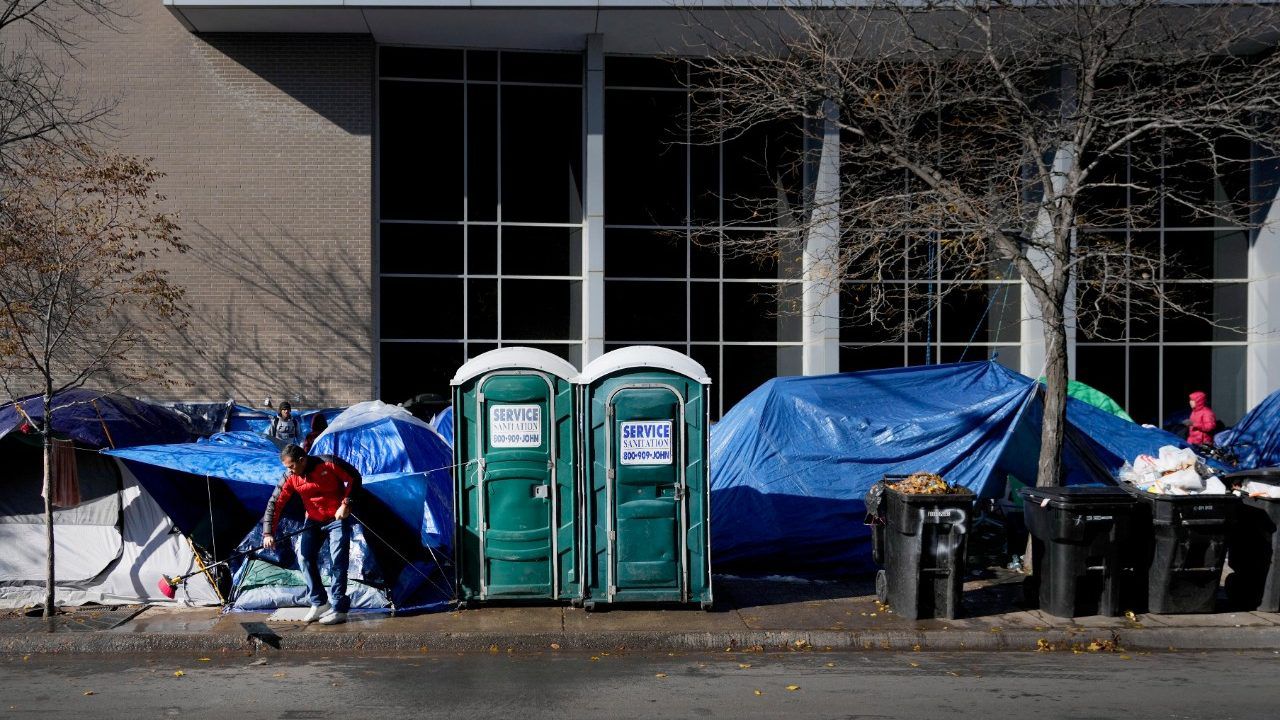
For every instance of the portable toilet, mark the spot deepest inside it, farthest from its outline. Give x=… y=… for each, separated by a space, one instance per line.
x=515 y=498
x=646 y=491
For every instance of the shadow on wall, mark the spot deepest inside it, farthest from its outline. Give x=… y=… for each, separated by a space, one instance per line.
x=330 y=75
x=298 y=328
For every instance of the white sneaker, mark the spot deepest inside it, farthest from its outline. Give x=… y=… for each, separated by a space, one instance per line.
x=316 y=612
x=333 y=618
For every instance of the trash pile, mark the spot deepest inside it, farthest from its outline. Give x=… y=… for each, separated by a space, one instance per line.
x=1176 y=471
x=923 y=483
x=1255 y=489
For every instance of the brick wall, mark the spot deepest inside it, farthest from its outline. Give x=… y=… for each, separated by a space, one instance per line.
x=266 y=142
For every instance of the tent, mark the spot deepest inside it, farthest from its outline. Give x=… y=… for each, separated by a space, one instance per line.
x=99 y=420
x=442 y=423
x=116 y=541
x=242 y=418
x=792 y=462
x=1095 y=397
x=1255 y=440
x=217 y=489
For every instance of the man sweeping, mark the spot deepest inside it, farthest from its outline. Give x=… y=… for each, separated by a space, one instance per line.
x=327 y=490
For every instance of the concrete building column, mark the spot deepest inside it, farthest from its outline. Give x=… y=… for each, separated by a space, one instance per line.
x=593 y=218
x=1031 y=359
x=1262 y=355
x=820 y=277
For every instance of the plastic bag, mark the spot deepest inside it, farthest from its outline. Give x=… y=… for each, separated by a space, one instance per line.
x=1258 y=489
x=1214 y=486
x=1186 y=480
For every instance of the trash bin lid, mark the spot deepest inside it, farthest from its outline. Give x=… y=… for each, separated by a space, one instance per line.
x=1078 y=496
x=1270 y=475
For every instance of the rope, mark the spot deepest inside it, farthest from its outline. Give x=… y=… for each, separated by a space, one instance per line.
x=406 y=560
x=213 y=536
x=985 y=313
x=105 y=429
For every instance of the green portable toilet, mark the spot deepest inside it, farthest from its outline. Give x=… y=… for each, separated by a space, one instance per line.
x=514 y=485
x=646 y=492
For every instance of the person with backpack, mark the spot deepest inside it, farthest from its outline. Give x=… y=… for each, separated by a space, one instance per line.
x=327 y=487
x=284 y=426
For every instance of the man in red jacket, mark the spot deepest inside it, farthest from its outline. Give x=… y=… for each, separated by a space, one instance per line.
x=1202 y=422
x=326 y=490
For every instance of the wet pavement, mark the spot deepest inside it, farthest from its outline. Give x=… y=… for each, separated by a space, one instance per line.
x=768 y=614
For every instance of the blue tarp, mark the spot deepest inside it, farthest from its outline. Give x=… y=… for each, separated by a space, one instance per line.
x=1255 y=440
x=443 y=424
x=792 y=462
x=407 y=521
x=245 y=418
x=100 y=420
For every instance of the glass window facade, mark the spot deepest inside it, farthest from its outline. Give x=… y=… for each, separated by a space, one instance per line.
x=480 y=231
x=479 y=222
x=669 y=197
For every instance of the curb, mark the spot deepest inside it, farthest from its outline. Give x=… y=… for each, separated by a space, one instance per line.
x=1156 y=639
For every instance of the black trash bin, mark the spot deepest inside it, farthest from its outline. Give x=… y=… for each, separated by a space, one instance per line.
x=1254 y=547
x=1078 y=535
x=1180 y=544
x=920 y=540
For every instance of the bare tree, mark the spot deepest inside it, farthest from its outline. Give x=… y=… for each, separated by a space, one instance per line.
x=82 y=237
x=996 y=137
x=39 y=40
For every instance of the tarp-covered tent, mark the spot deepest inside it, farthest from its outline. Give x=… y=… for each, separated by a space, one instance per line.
x=404 y=517
x=242 y=418
x=99 y=420
x=442 y=423
x=1255 y=440
x=792 y=462
x=1095 y=397
x=113 y=544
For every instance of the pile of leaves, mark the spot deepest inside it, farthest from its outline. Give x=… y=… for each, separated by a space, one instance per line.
x=924 y=483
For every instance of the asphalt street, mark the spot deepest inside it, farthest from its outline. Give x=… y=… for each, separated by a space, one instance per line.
x=810 y=685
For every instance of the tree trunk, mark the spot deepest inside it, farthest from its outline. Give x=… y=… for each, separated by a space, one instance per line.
x=1053 y=429
x=47 y=443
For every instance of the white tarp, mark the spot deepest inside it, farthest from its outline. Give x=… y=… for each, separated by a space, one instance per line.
x=128 y=572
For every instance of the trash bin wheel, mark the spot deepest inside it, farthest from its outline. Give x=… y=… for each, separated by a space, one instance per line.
x=576 y=602
x=882 y=586
x=589 y=605
x=707 y=605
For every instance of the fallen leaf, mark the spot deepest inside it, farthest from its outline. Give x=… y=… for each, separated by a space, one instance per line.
x=277 y=675
x=831 y=664
x=660 y=675
x=915 y=664
x=203 y=659
x=1129 y=614
x=953 y=674
x=493 y=648
x=26 y=658
x=793 y=688
x=178 y=673
x=555 y=646
x=1125 y=657
x=594 y=658
x=86 y=692
x=758 y=693
x=916 y=647
x=259 y=661
x=744 y=666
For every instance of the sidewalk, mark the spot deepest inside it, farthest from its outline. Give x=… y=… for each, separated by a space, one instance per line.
x=751 y=615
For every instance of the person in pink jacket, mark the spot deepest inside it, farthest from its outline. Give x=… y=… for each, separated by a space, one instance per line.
x=1202 y=422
